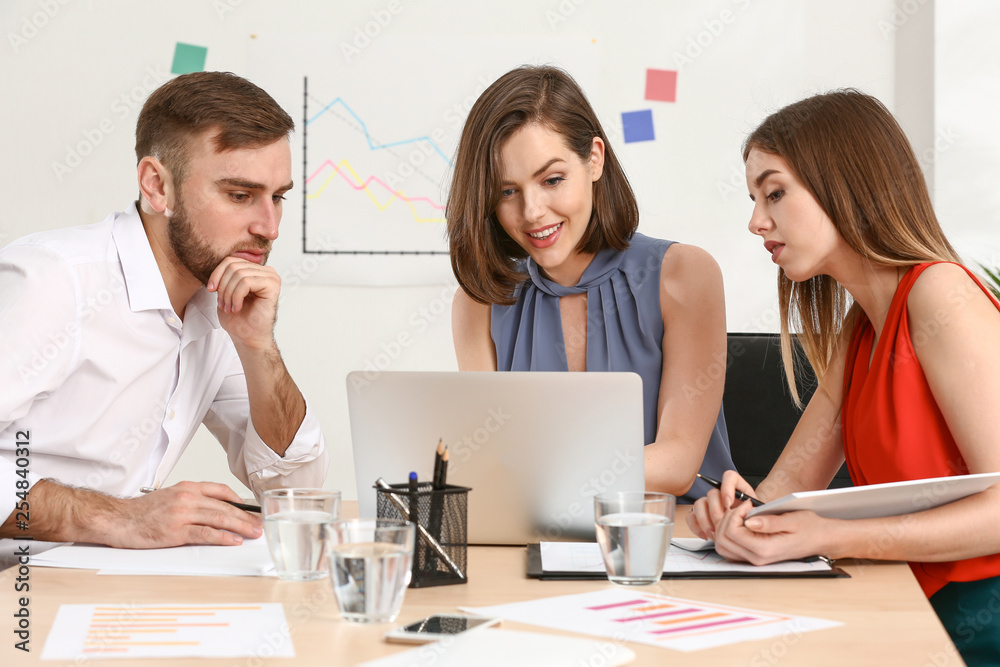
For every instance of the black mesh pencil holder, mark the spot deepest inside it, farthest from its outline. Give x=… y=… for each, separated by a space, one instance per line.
x=440 y=552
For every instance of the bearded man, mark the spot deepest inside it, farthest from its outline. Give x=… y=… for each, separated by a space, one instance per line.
x=120 y=338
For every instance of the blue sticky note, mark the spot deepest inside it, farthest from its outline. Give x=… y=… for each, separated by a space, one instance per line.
x=189 y=58
x=638 y=126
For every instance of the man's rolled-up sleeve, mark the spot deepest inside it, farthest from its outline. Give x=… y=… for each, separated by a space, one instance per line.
x=304 y=463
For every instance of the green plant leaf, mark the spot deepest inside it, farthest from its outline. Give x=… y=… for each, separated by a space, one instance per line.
x=994 y=279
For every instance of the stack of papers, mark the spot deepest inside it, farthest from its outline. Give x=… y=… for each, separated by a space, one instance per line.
x=249 y=559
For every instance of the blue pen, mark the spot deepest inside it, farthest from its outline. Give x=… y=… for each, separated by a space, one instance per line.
x=414 y=513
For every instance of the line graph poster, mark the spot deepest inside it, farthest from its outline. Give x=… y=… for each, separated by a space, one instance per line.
x=375 y=142
x=394 y=184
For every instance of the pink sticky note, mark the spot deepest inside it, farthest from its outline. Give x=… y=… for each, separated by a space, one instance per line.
x=661 y=85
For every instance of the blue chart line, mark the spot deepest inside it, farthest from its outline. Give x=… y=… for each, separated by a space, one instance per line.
x=368 y=137
x=309 y=119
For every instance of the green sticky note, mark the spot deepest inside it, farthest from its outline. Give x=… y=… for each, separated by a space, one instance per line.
x=189 y=58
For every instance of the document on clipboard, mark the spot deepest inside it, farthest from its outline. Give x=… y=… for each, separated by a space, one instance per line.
x=687 y=558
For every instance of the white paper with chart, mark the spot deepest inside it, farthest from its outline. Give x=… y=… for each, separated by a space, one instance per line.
x=82 y=632
x=657 y=620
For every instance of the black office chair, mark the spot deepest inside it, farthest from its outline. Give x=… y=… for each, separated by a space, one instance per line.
x=760 y=415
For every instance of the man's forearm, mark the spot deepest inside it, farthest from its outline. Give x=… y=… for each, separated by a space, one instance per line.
x=185 y=513
x=63 y=514
x=277 y=407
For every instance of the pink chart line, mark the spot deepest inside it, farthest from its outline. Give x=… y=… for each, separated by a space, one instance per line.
x=618 y=604
x=364 y=185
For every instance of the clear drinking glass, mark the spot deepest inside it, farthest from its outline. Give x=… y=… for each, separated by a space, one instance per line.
x=294 y=523
x=634 y=530
x=369 y=562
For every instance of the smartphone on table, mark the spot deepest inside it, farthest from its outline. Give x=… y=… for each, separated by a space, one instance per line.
x=437 y=627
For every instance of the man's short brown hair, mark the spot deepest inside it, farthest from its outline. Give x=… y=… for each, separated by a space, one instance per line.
x=241 y=114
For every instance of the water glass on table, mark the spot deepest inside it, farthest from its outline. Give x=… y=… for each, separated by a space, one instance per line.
x=370 y=562
x=294 y=526
x=634 y=530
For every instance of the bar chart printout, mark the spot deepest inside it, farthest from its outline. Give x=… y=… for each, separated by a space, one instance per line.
x=683 y=625
x=83 y=631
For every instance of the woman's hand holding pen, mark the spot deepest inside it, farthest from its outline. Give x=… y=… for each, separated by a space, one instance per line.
x=707 y=512
x=722 y=516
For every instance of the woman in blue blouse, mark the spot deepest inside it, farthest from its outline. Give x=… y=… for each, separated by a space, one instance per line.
x=554 y=277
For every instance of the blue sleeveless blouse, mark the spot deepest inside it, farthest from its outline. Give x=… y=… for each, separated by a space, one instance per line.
x=624 y=332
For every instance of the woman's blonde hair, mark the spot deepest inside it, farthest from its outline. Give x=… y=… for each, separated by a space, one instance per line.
x=852 y=155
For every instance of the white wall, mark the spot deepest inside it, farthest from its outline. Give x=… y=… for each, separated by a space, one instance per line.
x=74 y=72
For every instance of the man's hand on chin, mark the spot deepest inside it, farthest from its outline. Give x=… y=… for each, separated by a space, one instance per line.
x=248 y=301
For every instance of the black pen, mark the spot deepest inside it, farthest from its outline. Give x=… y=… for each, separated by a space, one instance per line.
x=739 y=494
x=239 y=506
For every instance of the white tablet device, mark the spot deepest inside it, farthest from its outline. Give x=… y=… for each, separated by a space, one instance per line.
x=874 y=500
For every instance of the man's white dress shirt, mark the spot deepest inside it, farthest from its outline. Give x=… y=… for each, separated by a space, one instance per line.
x=104 y=381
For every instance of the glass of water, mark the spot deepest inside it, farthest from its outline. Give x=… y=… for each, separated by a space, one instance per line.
x=369 y=562
x=634 y=530
x=294 y=525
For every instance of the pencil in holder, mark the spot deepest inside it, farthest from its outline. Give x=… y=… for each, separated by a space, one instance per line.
x=441 y=543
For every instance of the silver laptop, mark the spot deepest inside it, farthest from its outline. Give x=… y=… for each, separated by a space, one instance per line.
x=534 y=447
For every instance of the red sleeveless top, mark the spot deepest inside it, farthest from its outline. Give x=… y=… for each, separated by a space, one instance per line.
x=892 y=428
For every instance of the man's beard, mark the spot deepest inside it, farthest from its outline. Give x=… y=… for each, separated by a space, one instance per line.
x=197 y=256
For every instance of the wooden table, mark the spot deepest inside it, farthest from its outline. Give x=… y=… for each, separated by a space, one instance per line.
x=887 y=620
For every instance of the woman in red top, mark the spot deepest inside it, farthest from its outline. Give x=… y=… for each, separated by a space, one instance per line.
x=903 y=341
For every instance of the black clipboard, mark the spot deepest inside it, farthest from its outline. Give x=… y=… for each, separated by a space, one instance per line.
x=534 y=571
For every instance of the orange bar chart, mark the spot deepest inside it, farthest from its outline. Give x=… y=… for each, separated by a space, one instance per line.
x=85 y=631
